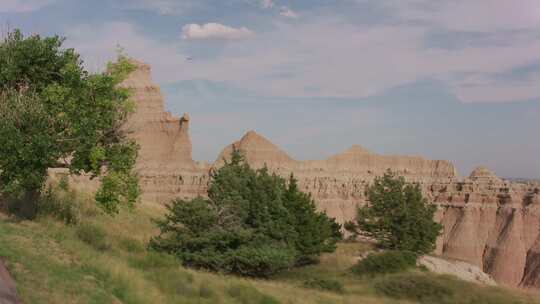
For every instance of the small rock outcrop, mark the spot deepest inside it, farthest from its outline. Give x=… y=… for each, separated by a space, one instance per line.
x=8 y=291
x=459 y=269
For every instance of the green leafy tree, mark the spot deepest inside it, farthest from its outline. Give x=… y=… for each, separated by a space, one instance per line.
x=397 y=216
x=53 y=113
x=252 y=224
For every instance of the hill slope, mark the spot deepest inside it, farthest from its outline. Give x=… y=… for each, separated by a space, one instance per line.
x=103 y=260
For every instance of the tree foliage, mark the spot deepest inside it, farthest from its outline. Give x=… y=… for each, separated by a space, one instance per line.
x=53 y=113
x=397 y=216
x=253 y=223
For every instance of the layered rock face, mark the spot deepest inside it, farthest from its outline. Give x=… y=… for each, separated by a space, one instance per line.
x=491 y=223
x=338 y=183
x=165 y=165
x=488 y=222
x=163 y=138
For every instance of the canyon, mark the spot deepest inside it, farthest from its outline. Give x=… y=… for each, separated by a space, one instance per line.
x=489 y=222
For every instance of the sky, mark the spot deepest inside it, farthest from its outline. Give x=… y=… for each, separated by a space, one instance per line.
x=456 y=80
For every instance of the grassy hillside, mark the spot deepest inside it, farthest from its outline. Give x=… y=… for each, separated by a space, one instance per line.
x=103 y=260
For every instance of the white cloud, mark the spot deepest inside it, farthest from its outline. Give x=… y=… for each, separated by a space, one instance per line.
x=287 y=12
x=267 y=3
x=214 y=31
x=327 y=57
x=23 y=6
x=342 y=60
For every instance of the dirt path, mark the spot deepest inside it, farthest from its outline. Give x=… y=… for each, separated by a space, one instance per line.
x=8 y=292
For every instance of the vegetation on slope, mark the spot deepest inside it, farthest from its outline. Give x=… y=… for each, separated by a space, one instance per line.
x=397 y=216
x=252 y=224
x=100 y=259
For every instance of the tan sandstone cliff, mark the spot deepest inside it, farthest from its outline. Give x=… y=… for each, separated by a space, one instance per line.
x=338 y=183
x=488 y=222
x=165 y=165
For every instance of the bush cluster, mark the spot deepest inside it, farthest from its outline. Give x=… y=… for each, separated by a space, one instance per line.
x=253 y=224
x=391 y=261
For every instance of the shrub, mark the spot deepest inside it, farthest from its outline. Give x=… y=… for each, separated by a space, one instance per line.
x=397 y=216
x=93 y=236
x=414 y=286
x=391 y=261
x=324 y=284
x=65 y=204
x=262 y=260
x=252 y=224
x=245 y=294
x=60 y=203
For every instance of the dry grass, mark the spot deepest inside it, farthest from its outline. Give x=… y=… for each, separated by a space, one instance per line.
x=51 y=264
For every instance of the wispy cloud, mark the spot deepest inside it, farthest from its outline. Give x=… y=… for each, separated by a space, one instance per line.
x=214 y=31
x=267 y=3
x=341 y=59
x=23 y=6
x=162 y=7
x=467 y=15
x=287 y=12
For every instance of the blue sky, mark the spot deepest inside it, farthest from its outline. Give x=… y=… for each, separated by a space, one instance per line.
x=456 y=80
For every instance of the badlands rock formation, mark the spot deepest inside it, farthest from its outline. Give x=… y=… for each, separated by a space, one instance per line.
x=163 y=139
x=488 y=222
x=165 y=165
x=492 y=224
x=338 y=183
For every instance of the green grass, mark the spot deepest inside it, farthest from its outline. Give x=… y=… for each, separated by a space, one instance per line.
x=94 y=236
x=324 y=284
x=427 y=288
x=390 y=261
x=102 y=259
